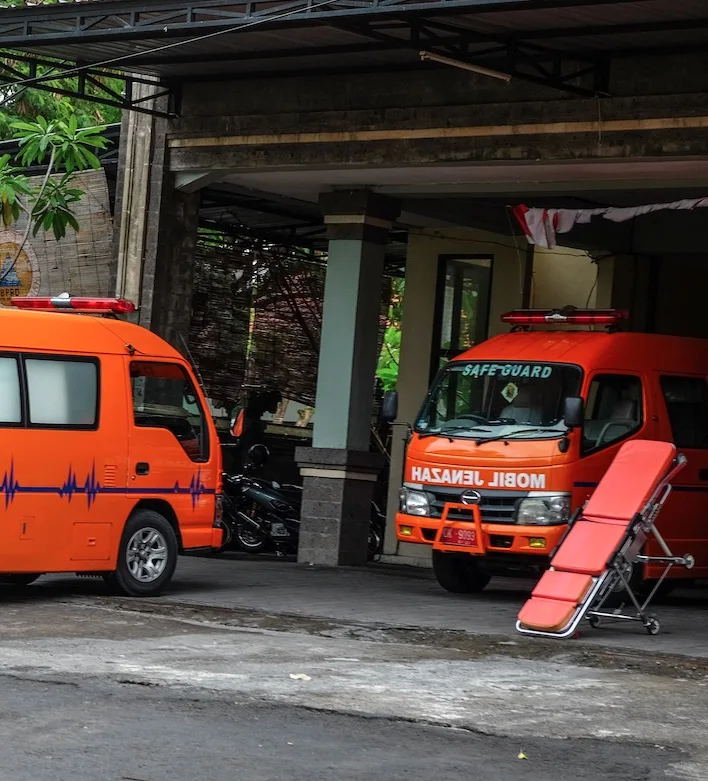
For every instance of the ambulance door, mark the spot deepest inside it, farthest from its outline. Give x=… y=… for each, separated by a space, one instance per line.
x=17 y=524
x=171 y=455
x=618 y=406
x=683 y=415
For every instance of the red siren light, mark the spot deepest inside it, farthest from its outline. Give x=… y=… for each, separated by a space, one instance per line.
x=569 y=316
x=65 y=303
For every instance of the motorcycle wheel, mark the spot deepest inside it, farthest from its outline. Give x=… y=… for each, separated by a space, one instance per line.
x=249 y=540
x=375 y=544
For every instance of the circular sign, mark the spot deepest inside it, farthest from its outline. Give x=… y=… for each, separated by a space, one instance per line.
x=19 y=268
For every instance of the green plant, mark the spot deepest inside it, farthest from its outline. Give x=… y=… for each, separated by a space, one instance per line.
x=389 y=358
x=58 y=145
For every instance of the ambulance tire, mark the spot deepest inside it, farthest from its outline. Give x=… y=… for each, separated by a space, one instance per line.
x=123 y=581
x=459 y=573
x=23 y=579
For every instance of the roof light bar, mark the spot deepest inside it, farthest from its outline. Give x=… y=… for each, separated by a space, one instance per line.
x=569 y=316
x=65 y=303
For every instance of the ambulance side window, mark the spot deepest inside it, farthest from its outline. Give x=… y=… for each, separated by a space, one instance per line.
x=164 y=397
x=10 y=400
x=686 y=401
x=614 y=410
x=62 y=392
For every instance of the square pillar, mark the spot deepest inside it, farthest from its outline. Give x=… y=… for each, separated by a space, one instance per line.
x=339 y=472
x=155 y=228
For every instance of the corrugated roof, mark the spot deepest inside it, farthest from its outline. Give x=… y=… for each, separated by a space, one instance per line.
x=279 y=35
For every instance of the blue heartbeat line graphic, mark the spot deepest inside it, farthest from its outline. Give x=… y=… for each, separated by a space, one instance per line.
x=10 y=487
x=90 y=487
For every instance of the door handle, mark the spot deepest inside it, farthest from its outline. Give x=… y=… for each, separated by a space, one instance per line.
x=142 y=468
x=703 y=474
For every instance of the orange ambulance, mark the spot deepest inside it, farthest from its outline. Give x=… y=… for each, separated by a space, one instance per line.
x=524 y=426
x=110 y=463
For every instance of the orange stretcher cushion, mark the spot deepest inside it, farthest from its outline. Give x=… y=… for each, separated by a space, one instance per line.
x=631 y=479
x=546 y=615
x=566 y=586
x=588 y=547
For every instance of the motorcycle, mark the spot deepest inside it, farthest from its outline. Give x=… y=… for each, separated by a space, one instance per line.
x=261 y=515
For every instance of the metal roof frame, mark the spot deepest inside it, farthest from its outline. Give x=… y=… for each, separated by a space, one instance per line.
x=386 y=26
x=51 y=76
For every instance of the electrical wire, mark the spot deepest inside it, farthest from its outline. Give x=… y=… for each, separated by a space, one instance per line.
x=174 y=44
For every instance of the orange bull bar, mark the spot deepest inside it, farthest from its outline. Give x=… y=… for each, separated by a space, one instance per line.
x=461 y=536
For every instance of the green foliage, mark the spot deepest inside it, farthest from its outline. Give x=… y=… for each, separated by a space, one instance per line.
x=68 y=145
x=387 y=368
x=52 y=208
x=14 y=187
x=29 y=103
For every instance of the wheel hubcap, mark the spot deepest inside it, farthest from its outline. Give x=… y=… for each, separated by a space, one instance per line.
x=147 y=555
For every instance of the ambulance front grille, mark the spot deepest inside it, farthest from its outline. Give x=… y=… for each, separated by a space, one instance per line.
x=496 y=506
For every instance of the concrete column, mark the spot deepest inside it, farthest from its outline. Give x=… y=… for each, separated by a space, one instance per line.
x=413 y=376
x=155 y=229
x=339 y=472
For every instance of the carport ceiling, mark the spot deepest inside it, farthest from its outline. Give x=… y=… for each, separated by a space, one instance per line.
x=565 y=44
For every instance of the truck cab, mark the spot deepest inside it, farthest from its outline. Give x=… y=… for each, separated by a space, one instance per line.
x=523 y=426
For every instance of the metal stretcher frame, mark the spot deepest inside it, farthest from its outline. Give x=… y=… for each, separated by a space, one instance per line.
x=619 y=567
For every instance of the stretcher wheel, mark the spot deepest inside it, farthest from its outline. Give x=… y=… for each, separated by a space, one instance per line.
x=689 y=561
x=594 y=621
x=653 y=626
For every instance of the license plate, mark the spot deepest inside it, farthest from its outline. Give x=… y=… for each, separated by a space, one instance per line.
x=452 y=536
x=278 y=530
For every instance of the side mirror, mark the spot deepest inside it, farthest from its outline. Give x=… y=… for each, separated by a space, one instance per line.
x=258 y=455
x=237 y=422
x=389 y=408
x=573 y=412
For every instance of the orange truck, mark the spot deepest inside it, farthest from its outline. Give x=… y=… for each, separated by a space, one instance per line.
x=110 y=464
x=522 y=428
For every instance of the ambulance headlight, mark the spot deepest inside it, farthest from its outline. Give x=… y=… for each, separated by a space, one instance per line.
x=550 y=510
x=414 y=502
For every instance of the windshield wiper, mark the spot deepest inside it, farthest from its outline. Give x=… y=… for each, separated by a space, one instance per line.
x=446 y=431
x=512 y=434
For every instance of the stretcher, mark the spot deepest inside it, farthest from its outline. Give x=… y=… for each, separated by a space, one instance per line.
x=604 y=542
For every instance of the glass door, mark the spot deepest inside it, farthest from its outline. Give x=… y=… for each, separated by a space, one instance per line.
x=462 y=307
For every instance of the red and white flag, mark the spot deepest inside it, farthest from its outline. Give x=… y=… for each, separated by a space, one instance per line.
x=542 y=225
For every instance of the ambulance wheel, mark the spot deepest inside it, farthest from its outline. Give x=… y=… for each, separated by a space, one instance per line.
x=23 y=579
x=147 y=556
x=459 y=573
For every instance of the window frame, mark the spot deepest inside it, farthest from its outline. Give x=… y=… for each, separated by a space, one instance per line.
x=587 y=451
x=205 y=437
x=675 y=376
x=64 y=358
x=18 y=363
x=457 y=262
x=21 y=358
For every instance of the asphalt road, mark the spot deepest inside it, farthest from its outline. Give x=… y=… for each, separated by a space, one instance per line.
x=90 y=729
x=249 y=670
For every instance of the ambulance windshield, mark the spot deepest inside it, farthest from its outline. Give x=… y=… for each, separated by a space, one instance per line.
x=499 y=400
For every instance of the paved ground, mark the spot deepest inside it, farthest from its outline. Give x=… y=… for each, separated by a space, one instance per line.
x=86 y=732
x=407 y=598
x=200 y=684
